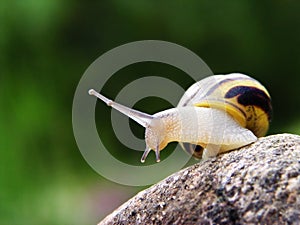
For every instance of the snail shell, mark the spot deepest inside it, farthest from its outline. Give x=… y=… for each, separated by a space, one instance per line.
x=239 y=95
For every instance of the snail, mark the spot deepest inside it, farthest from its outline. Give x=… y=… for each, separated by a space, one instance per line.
x=216 y=114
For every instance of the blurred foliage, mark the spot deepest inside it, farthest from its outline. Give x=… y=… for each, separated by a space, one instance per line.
x=47 y=45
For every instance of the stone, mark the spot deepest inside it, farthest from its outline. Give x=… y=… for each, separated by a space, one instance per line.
x=256 y=184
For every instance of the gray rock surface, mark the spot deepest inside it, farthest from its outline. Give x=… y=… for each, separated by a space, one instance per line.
x=257 y=184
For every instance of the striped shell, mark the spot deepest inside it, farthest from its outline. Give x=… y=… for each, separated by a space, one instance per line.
x=243 y=97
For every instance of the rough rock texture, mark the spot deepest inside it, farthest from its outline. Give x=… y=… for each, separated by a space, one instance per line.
x=258 y=184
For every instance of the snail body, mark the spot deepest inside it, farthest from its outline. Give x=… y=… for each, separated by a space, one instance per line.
x=216 y=114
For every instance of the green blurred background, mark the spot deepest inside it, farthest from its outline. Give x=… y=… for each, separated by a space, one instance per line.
x=47 y=45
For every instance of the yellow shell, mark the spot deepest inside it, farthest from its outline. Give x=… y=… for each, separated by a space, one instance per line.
x=241 y=96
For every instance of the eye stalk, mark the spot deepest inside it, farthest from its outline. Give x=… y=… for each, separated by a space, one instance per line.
x=141 y=118
x=154 y=126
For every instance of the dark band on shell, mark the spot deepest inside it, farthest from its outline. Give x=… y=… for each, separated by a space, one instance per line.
x=251 y=96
